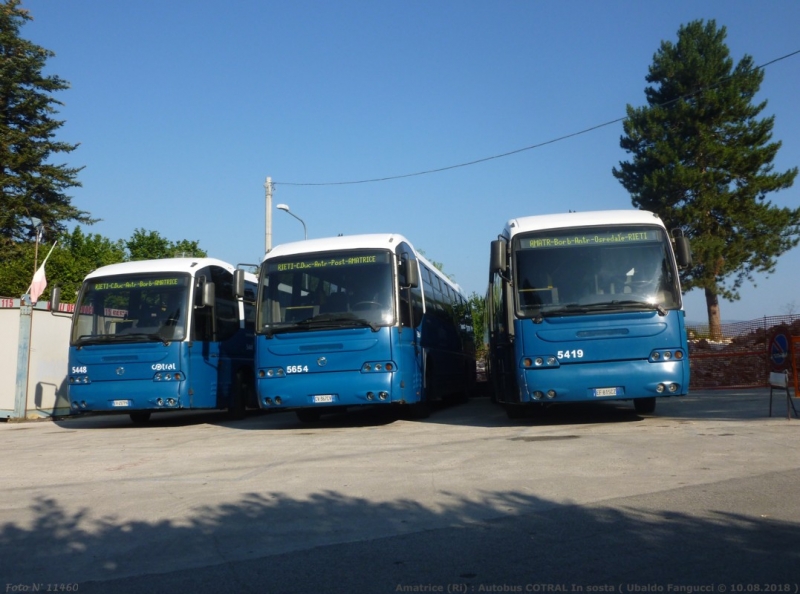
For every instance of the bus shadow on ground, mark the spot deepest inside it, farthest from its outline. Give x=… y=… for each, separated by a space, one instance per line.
x=477 y=412
x=159 y=419
x=482 y=412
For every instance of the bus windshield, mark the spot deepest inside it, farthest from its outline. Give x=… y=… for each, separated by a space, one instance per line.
x=327 y=290
x=594 y=270
x=136 y=308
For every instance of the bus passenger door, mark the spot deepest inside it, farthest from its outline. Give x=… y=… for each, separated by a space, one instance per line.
x=409 y=351
x=501 y=344
x=204 y=349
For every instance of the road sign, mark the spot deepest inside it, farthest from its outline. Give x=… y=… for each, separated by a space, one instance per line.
x=779 y=352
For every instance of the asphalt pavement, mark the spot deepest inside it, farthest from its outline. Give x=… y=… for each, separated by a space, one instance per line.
x=701 y=496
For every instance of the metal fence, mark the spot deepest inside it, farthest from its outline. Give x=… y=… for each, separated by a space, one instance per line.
x=743 y=355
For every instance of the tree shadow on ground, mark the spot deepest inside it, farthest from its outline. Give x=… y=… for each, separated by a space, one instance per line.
x=328 y=542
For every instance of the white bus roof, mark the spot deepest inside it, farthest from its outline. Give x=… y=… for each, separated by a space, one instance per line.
x=384 y=241
x=188 y=265
x=581 y=219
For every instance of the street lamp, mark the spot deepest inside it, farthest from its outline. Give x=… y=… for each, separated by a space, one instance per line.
x=38 y=228
x=285 y=207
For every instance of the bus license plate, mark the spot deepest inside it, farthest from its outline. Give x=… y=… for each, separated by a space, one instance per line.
x=322 y=398
x=120 y=403
x=599 y=392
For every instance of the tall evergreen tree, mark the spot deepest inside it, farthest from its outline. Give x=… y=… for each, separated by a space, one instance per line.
x=703 y=161
x=32 y=186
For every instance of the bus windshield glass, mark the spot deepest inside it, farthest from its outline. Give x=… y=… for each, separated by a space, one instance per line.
x=327 y=290
x=136 y=308
x=594 y=270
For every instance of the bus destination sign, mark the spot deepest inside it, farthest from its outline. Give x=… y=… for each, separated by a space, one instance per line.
x=330 y=262
x=590 y=239
x=143 y=283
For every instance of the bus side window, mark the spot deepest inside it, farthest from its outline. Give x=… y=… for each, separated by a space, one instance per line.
x=415 y=307
x=202 y=328
x=226 y=307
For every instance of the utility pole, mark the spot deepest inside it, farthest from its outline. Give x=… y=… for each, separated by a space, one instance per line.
x=268 y=223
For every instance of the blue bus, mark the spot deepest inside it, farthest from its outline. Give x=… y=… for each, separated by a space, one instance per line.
x=360 y=320
x=162 y=335
x=586 y=307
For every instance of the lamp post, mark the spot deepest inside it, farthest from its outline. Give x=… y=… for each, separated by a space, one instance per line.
x=285 y=208
x=38 y=228
x=268 y=221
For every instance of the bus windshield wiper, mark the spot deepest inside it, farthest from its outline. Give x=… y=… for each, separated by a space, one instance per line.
x=572 y=308
x=656 y=306
x=337 y=320
x=148 y=335
x=88 y=339
x=320 y=322
x=270 y=329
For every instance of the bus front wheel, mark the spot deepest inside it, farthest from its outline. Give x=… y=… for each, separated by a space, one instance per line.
x=140 y=418
x=644 y=406
x=239 y=398
x=308 y=415
x=516 y=411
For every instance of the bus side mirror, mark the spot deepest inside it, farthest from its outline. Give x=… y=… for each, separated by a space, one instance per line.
x=412 y=274
x=683 y=252
x=238 y=283
x=208 y=294
x=204 y=293
x=55 y=302
x=497 y=259
x=55 y=299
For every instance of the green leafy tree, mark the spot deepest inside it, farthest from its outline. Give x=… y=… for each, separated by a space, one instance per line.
x=478 y=306
x=74 y=256
x=77 y=254
x=32 y=185
x=150 y=245
x=703 y=161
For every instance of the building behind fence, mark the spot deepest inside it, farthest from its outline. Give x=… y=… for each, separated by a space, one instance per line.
x=742 y=356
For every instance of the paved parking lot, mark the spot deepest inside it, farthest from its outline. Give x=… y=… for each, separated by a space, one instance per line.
x=702 y=492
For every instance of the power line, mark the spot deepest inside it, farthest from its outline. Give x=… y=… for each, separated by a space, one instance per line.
x=514 y=152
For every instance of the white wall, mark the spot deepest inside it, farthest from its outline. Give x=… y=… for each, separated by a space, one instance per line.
x=47 y=371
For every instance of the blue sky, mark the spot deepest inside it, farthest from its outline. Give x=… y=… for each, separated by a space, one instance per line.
x=183 y=108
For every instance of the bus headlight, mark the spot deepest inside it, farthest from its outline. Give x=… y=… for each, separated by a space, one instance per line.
x=539 y=361
x=378 y=366
x=665 y=355
x=167 y=377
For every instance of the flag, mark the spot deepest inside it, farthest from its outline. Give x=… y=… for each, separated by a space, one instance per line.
x=38 y=284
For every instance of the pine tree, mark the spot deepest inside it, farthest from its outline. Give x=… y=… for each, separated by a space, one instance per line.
x=32 y=186
x=703 y=161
